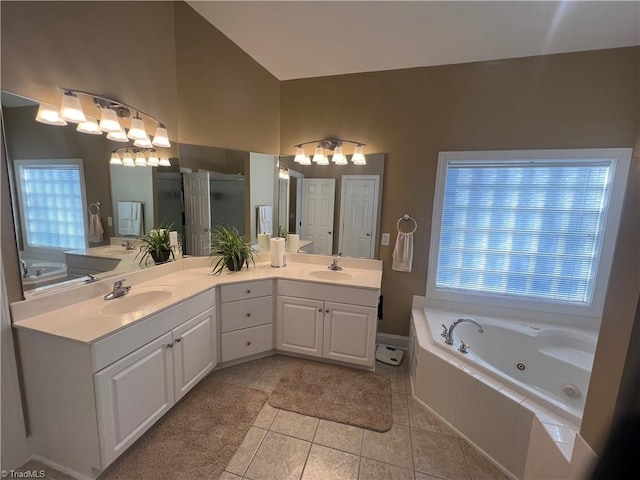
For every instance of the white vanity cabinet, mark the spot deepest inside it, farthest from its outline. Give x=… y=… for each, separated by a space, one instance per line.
x=246 y=319
x=337 y=323
x=89 y=402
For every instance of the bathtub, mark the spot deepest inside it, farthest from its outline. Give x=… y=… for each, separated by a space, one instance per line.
x=42 y=273
x=549 y=365
x=507 y=395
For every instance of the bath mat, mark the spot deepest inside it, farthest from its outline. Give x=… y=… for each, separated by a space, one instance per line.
x=196 y=438
x=336 y=393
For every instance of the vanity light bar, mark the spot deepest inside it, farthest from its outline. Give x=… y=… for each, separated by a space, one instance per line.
x=331 y=144
x=111 y=113
x=137 y=157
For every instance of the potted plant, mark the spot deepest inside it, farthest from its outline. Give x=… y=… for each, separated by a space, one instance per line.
x=233 y=249
x=157 y=245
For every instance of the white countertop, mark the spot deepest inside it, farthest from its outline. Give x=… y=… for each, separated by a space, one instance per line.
x=75 y=314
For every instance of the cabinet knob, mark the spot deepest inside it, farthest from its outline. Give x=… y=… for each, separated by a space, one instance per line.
x=248 y=314
x=320 y=310
x=170 y=345
x=178 y=340
x=248 y=343
x=248 y=291
x=327 y=311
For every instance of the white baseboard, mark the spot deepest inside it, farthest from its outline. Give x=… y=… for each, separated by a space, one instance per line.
x=398 y=341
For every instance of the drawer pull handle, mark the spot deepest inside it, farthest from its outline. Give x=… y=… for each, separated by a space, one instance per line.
x=248 y=314
x=248 y=343
x=178 y=340
x=248 y=291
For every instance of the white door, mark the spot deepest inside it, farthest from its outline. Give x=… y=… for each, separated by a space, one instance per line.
x=197 y=212
x=194 y=351
x=358 y=207
x=318 y=199
x=132 y=394
x=299 y=325
x=349 y=333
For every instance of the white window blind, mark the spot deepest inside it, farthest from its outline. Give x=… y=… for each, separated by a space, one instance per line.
x=531 y=229
x=52 y=205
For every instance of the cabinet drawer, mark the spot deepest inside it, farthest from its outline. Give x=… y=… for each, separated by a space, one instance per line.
x=249 y=341
x=246 y=313
x=241 y=291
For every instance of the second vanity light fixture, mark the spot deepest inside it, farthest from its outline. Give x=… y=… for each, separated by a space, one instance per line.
x=138 y=157
x=111 y=113
x=330 y=144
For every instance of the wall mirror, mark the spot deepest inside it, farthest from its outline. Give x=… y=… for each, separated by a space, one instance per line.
x=58 y=177
x=335 y=209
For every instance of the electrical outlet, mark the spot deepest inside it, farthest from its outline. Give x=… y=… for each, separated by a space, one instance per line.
x=110 y=221
x=385 y=239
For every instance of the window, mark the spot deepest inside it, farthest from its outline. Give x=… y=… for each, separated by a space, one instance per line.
x=527 y=228
x=52 y=209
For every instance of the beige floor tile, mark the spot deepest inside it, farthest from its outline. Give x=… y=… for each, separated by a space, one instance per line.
x=324 y=463
x=265 y=417
x=438 y=455
x=480 y=467
x=424 y=476
x=279 y=458
x=295 y=425
x=243 y=456
x=337 y=435
x=398 y=385
x=229 y=476
x=400 y=409
x=422 y=418
x=373 y=470
x=392 y=447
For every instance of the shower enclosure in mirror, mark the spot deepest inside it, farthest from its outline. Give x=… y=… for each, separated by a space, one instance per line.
x=334 y=208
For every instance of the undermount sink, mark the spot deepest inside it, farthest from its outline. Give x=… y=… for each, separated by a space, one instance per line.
x=135 y=301
x=330 y=275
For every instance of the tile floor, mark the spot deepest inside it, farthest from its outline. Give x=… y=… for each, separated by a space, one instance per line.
x=284 y=445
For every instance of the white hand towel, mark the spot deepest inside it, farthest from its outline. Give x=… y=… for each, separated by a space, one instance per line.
x=403 y=252
x=264 y=219
x=124 y=210
x=95 y=229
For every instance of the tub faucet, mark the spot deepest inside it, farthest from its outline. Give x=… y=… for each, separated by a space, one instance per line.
x=119 y=290
x=25 y=269
x=448 y=337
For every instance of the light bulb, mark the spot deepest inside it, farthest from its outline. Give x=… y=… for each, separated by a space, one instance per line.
x=119 y=136
x=165 y=162
x=90 y=126
x=153 y=160
x=338 y=156
x=318 y=156
x=49 y=114
x=109 y=121
x=299 y=158
x=306 y=160
x=71 y=108
x=358 y=157
x=143 y=142
x=136 y=130
x=115 y=159
x=161 y=137
x=127 y=159
x=140 y=160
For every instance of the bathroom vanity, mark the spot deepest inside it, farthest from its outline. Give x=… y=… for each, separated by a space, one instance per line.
x=99 y=373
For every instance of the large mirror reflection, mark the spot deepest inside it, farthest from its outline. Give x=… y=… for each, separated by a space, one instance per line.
x=335 y=209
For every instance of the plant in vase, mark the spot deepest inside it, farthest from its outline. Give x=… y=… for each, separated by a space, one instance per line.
x=231 y=249
x=157 y=245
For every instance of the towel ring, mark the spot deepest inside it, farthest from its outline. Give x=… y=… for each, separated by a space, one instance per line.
x=96 y=206
x=406 y=217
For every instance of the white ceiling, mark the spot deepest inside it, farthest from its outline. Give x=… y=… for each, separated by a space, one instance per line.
x=296 y=39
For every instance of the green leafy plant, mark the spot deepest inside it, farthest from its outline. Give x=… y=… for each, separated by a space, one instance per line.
x=233 y=249
x=282 y=232
x=157 y=245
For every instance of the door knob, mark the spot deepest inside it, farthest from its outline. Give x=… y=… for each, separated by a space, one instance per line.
x=368 y=235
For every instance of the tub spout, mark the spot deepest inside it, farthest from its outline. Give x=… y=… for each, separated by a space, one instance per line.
x=448 y=338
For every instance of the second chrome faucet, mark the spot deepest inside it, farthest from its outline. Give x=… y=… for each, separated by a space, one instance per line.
x=119 y=290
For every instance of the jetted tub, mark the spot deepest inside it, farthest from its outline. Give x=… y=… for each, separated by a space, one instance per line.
x=548 y=364
x=517 y=395
x=42 y=273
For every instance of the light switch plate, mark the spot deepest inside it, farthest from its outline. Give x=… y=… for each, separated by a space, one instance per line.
x=110 y=221
x=385 y=239
x=173 y=238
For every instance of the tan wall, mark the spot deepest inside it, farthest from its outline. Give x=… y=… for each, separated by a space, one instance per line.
x=226 y=98
x=576 y=100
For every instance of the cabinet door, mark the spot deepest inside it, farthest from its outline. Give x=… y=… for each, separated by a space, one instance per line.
x=194 y=351
x=349 y=333
x=299 y=325
x=131 y=395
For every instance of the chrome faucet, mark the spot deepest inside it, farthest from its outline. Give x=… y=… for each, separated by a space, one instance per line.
x=119 y=290
x=128 y=245
x=334 y=265
x=91 y=278
x=25 y=270
x=447 y=333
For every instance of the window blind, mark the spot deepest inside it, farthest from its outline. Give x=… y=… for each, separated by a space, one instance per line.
x=52 y=206
x=523 y=228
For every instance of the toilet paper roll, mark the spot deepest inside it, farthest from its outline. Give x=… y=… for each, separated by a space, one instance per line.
x=293 y=243
x=278 y=255
x=264 y=242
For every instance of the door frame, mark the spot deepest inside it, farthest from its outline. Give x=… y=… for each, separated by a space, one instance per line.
x=374 y=218
x=298 y=176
